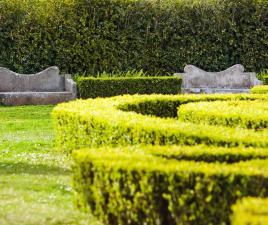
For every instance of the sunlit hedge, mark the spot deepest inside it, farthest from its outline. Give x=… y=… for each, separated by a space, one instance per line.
x=251 y=211
x=115 y=121
x=246 y=114
x=260 y=89
x=140 y=181
x=154 y=186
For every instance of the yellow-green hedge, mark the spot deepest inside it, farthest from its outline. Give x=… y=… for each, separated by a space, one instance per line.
x=204 y=153
x=246 y=114
x=259 y=89
x=154 y=186
x=250 y=211
x=97 y=122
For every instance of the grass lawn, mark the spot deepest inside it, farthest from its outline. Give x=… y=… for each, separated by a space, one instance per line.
x=34 y=178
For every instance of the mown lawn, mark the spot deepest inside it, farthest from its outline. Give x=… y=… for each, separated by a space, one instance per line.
x=34 y=178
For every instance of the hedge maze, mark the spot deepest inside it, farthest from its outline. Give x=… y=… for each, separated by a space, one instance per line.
x=166 y=160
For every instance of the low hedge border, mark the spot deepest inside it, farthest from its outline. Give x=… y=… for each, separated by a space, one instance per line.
x=96 y=122
x=90 y=87
x=250 y=211
x=132 y=185
x=246 y=114
x=259 y=89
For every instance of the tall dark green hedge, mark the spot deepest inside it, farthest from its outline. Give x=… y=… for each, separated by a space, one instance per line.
x=87 y=36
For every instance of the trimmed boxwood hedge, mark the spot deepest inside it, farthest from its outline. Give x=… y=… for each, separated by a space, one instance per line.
x=160 y=185
x=132 y=186
x=111 y=121
x=260 y=89
x=83 y=36
x=90 y=87
x=250 y=211
x=246 y=114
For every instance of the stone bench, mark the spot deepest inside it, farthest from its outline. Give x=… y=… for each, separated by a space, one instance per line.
x=232 y=80
x=44 y=88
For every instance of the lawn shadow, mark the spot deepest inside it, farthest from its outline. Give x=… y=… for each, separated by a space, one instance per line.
x=32 y=169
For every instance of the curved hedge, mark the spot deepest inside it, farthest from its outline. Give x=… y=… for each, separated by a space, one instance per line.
x=97 y=122
x=246 y=114
x=135 y=186
x=250 y=211
x=160 y=185
x=82 y=36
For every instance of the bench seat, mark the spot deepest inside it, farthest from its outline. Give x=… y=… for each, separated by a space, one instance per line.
x=231 y=80
x=44 y=88
x=34 y=98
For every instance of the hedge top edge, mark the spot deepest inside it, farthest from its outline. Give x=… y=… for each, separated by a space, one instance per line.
x=95 y=122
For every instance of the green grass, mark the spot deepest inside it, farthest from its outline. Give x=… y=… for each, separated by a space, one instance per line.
x=34 y=178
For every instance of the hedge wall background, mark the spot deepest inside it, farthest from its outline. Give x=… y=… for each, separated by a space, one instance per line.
x=88 y=36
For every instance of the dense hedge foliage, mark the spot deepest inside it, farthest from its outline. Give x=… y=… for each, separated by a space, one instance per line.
x=260 y=89
x=100 y=121
x=265 y=79
x=246 y=114
x=131 y=186
x=90 y=87
x=147 y=184
x=109 y=35
x=263 y=75
x=251 y=211
x=204 y=153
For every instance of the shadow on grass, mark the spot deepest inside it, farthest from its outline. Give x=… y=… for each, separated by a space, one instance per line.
x=26 y=168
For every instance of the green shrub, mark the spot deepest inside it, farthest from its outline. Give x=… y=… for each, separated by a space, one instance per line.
x=251 y=211
x=90 y=87
x=246 y=114
x=162 y=36
x=95 y=122
x=263 y=75
x=131 y=186
x=160 y=185
x=260 y=89
x=265 y=80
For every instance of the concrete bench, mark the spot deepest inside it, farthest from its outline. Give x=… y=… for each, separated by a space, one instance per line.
x=44 y=88
x=232 y=80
